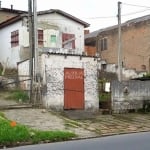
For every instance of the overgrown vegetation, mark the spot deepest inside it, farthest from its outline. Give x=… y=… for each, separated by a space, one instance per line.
x=19 y=95
x=105 y=96
x=146 y=75
x=12 y=133
x=0 y=71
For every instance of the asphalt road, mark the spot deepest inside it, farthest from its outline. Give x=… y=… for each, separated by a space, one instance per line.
x=136 y=141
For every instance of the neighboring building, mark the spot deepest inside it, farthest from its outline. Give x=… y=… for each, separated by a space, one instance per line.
x=6 y=14
x=56 y=29
x=90 y=43
x=135 y=44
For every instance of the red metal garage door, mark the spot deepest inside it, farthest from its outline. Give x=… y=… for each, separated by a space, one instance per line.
x=73 y=88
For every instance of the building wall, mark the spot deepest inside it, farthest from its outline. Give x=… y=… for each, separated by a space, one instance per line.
x=6 y=51
x=129 y=94
x=90 y=50
x=51 y=24
x=53 y=79
x=65 y=25
x=135 y=46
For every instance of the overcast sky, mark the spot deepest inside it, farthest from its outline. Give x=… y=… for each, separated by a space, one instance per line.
x=98 y=13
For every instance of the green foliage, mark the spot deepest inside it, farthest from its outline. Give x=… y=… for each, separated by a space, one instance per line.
x=147 y=75
x=51 y=136
x=2 y=115
x=0 y=71
x=19 y=95
x=10 y=135
x=104 y=96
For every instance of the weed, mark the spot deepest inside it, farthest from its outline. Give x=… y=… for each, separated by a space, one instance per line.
x=16 y=133
x=19 y=95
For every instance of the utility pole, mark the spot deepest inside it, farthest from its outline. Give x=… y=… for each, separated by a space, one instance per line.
x=30 y=29
x=119 y=44
x=34 y=53
x=37 y=77
x=35 y=36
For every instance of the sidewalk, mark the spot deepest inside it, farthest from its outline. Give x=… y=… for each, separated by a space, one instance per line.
x=85 y=127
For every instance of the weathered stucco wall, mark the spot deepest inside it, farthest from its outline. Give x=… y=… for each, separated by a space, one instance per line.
x=53 y=79
x=129 y=94
x=126 y=73
x=51 y=68
x=23 y=72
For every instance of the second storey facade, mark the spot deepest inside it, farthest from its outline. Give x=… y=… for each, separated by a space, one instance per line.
x=135 y=44
x=57 y=30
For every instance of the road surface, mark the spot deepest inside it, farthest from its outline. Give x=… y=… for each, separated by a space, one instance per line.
x=135 y=141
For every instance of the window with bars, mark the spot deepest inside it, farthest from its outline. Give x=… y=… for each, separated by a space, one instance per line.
x=14 y=38
x=68 y=41
x=103 y=44
x=40 y=37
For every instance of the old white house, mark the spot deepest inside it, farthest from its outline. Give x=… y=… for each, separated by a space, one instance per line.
x=68 y=78
x=56 y=29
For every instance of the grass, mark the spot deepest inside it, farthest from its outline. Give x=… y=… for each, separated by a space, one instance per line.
x=18 y=95
x=12 y=133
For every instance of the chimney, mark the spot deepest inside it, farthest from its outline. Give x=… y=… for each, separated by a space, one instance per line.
x=11 y=7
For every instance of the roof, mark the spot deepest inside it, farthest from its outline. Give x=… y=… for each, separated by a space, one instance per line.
x=127 y=23
x=20 y=13
x=11 y=20
x=65 y=15
x=15 y=11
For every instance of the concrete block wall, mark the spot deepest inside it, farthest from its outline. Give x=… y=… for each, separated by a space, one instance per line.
x=129 y=94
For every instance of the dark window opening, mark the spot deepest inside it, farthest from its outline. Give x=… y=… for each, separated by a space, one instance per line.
x=103 y=67
x=103 y=44
x=14 y=38
x=40 y=37
x=68 y=41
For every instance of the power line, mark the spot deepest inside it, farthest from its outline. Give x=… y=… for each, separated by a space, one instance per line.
x=102 y=17
x=132 y=13
x=135 y=5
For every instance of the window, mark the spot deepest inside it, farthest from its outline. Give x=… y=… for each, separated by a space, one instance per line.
x=40 y=37
x=68 y=41
x=103 y=44
x=14 y=38
x=53 y=39
x=103 y=67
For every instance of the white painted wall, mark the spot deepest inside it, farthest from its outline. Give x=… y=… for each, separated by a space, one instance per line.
x=51 y=24
x=127 y=73
x=52 y=73
x=47 y=35
x=12 y=53
x=66 y=25
x=53 y=77
x=23 y=71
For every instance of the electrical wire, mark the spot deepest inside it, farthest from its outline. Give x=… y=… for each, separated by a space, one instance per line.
x=111 y=17
x=135 y=5
x=133 y=13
